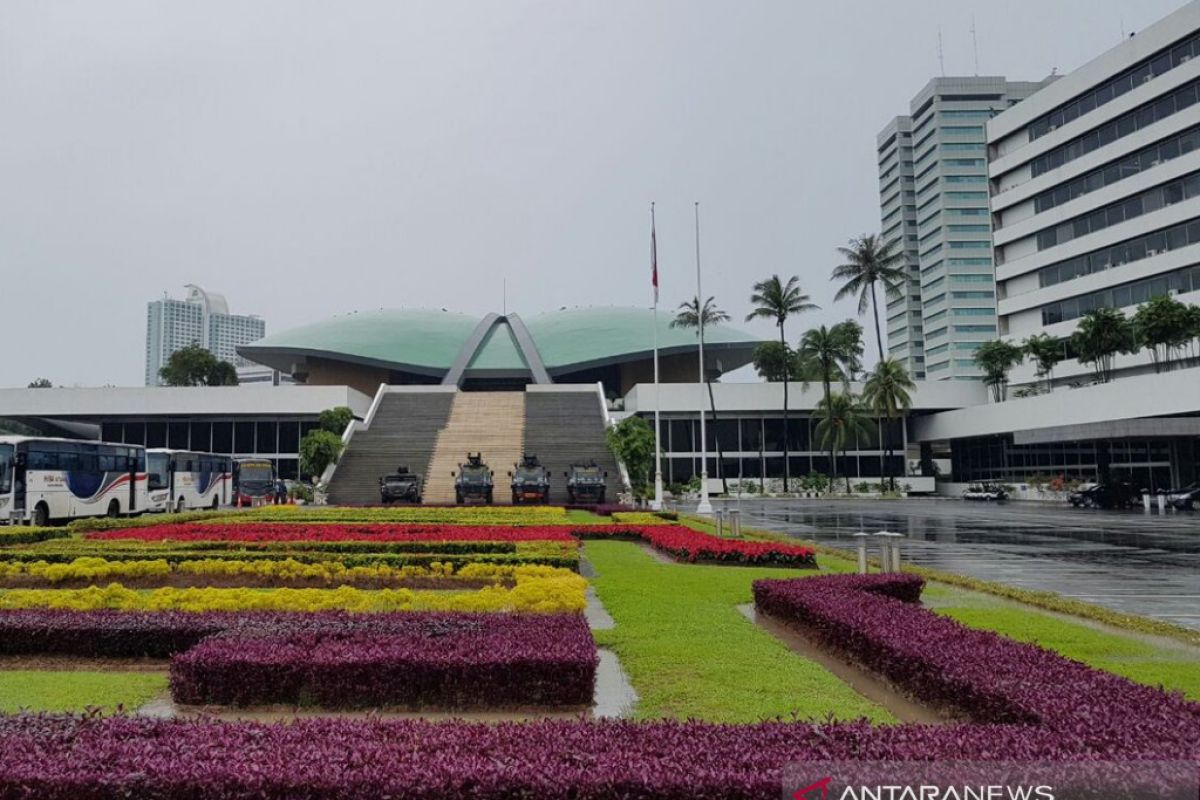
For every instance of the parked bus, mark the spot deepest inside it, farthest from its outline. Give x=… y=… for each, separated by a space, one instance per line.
x=181 y=480
x=253 y=481
x=44 y=480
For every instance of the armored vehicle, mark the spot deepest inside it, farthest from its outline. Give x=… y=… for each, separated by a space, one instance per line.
x=585 y=484
x=401 y=486
x=473 y=481
x=530 y=481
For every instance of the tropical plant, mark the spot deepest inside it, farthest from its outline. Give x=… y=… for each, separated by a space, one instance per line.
x=774 y=360
x=689 y=315
x=195 y=366
x=833 y=355
x=1045 y=351
x=318 y=449
x=870 y=260
x=632 y=442
x=335 y=419
x=997 y=358
x=775 y=300
x=1100 y=336
x=1163 y=326
x=841 y=420
x=886 y=393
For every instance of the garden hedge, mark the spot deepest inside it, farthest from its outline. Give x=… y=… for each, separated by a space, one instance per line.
x=444 y=661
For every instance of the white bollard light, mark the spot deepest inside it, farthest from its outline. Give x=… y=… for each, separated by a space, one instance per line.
x=1146 y=501
x=862 y=537
x=1162 y=503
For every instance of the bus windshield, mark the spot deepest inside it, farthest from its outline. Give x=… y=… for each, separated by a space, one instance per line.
x=255 y=473
x=157 y=466
x=6 y=468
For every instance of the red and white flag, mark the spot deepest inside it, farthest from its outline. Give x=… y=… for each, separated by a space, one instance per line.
x=653 y=256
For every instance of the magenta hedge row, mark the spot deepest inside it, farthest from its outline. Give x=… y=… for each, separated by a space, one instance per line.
x=433 y=660
x=876 y=621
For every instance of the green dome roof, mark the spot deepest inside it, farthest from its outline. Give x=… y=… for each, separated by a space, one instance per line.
x=437 y=343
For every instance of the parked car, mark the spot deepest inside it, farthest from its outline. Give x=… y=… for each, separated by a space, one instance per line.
x=1184 y=498
x=1107 y=494
x=985 y=491
x=401 y=486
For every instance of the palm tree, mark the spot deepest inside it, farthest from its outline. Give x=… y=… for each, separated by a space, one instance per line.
x=1101 y=335
x=832 y=354
x=1045 y=351
x=775 y=300
x=842 y=419
x=870 y=260
x=887 y=394
x=688 y=316
x=997 y=358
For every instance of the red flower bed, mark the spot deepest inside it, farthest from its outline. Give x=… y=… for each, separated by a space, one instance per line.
x=690 y=545
x=678 y=541
x=329 y=532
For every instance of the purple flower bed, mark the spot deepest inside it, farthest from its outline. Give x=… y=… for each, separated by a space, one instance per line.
x=876 y=621
x=333 y=659
x=450 y=661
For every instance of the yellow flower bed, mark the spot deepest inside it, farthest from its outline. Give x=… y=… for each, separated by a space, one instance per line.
x=100 y=569
x=638 y=518
x=557 y=594
x=467 y=515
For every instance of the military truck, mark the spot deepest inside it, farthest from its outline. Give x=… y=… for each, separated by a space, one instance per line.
x=401 y=486
x=530 y=481
x=473 y=481
x=585 y=484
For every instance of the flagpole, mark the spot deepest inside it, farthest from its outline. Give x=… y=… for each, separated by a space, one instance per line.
x=657 y=504
x=705 y=507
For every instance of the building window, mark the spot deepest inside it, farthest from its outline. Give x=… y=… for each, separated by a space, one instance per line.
x=1148 y=246
x=1129 y=208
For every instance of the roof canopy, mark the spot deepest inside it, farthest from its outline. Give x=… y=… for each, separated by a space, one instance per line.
x=452 y=346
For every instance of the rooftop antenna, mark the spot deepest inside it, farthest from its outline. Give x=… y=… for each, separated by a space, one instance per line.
x=975 y=45
x=941 y=55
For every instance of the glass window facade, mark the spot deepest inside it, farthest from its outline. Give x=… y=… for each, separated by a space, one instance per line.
x=1131 y=207
x=1147 y=246
x=1127 y=294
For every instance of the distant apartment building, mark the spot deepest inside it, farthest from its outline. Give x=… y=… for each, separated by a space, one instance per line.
x=933 y=193
x=201 y=318
x=1096 y=192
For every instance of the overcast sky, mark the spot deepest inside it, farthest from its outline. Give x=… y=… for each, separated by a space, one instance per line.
x=309 y=159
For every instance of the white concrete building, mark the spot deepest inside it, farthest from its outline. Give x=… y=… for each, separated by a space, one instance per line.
x=1095 y=184
x=201 y=318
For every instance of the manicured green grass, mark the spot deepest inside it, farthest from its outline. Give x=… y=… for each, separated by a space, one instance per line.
x=689 y=652
x=1139 y=658
x=578 y=516
x=38 y=690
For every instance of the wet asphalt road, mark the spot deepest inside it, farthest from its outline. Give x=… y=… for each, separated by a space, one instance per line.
x=1126 y=560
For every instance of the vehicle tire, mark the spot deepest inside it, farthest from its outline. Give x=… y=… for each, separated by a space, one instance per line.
x=179 y=506
x=458 y=498
x=216 y=503
x=114 y=509
x=41 y=515
x=489 y=498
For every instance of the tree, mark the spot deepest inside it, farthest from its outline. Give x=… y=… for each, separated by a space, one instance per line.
x=833 y=355
x=1045 y=351
x=870 y=260
x=318 y=449
x=195 y=366
x=769 y=363
x=688 y=315
x=1100 y=336
x=1163 y=325
x=632 y=441
x=997 y=358
x=335 y=419
x=775 y=300
x=841 y=420
x=886 y=393
x=41 y=383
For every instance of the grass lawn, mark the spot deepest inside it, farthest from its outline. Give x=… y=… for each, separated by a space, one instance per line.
x=1150 y=661
x=690 y=653
x=75 y=691
x=579 y=516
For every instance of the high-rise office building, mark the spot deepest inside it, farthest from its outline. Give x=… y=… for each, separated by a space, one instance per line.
x=1096 y=192
x=201 y=318
x=933 y=176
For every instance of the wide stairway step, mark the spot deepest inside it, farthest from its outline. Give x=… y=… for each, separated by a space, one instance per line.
x=489 y=423
x=564 y=428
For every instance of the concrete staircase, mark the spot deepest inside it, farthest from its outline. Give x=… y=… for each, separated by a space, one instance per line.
x=564 y=427
x=403 y=431
x=491 y=423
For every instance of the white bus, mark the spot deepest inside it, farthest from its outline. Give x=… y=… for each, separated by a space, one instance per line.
x=181 y=480
x=44 y=480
